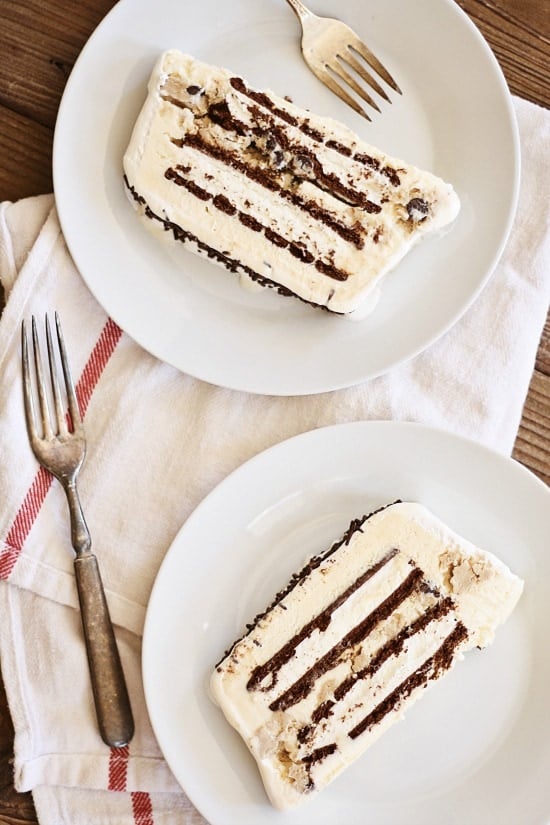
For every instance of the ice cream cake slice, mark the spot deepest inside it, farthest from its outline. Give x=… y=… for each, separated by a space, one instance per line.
x=281 y=196
x=353 y=641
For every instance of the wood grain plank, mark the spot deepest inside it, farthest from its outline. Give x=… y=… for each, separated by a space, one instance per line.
x=519 y=35
x=39 y=43
x=543 y=355
x=532 y=446
x=15 y=808
x=26 y=147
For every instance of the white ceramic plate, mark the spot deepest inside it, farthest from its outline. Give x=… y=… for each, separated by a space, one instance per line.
x=477 y=749
x=455 y=118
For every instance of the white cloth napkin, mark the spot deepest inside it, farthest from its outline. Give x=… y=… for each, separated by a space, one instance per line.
x=159 y=441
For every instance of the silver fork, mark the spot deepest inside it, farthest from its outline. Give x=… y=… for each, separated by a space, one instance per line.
x=59 y=444
x=331 y=48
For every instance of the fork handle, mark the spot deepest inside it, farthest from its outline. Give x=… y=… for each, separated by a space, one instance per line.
x=112 y=703
x=301 y=11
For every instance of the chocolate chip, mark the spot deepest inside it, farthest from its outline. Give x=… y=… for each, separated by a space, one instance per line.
x=220 y=114
x=279 y=159
x=418 y=209
x=303 y=164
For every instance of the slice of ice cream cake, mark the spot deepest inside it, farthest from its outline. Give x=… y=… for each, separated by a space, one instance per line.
x=281 y=196
x=353 y=641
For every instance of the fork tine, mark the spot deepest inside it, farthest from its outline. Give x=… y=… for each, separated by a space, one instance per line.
x=338 y=68
x=374 y=63
x=69 y=386
x=27 y=389
x=358 y=67
x=42 y=401
x=61 y=419
x=335 y=87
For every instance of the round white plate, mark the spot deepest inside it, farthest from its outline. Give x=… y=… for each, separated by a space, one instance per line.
x=477 y=749
x=454 y=118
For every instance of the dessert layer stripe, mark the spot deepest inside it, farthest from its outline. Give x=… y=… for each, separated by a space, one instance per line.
x=264 y=100
x=270 y=181
x=295 y=248
x=304 y=156
x=361 y=157
x=302 y=687
x=356 y=526
x=394 y=646
x=231 y=264
x=432 y=668
x=319 y=754
x=319 y=622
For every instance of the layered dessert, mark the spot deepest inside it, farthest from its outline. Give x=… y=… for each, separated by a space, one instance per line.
x=353 y=641
x=282 y=197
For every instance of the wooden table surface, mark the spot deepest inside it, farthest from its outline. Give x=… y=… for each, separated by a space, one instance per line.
x=39 y=42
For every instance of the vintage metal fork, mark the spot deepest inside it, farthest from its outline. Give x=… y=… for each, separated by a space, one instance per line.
x=331 y=48
x=59 y=444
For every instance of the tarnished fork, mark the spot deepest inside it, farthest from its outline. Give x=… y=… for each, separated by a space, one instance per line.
x=59 y=444
x=331 y=48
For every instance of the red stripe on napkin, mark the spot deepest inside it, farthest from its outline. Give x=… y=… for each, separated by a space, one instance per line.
x=142 y=808
x=24 y=520
x=109 y=338
x=27 y=513
x=118 y=768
